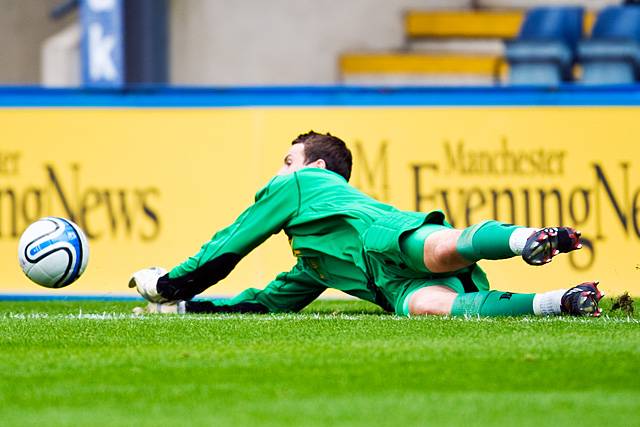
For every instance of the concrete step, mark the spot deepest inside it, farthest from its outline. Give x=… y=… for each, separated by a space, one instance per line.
x=470 y=24
x=404 y=80
x=441 y=24
x=419 y=67
x=457 y=46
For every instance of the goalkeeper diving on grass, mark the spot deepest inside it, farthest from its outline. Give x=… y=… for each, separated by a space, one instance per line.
x=409 y=263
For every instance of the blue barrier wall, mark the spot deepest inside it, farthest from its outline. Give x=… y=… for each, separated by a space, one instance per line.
x=321 y=96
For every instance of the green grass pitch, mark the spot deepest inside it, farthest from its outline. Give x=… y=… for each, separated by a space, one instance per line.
x=337 y=363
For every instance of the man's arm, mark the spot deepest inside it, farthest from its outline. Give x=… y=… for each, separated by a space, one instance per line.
x=289 y=292
x=274 y=206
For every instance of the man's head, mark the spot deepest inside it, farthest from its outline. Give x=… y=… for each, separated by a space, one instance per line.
x=318 y=150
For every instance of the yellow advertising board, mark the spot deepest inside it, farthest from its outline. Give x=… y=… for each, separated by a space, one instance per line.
x=149 y=186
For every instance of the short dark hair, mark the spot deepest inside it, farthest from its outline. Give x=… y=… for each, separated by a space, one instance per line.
x=329 y=148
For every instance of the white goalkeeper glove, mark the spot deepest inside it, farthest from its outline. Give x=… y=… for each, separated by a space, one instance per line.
x=145 y=282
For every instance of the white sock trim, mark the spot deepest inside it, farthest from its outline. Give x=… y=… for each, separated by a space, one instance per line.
x=518 y=239
x=548 y=303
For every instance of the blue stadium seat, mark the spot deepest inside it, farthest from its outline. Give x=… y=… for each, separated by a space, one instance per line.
x=544 y=51
x=612 y=54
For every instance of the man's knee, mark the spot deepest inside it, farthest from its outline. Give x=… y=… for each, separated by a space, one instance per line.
x=432 y=300
x=445 y=246
x=440 y=252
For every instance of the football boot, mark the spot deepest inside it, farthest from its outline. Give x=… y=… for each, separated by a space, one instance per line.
x=548 y=242
x=582 y=300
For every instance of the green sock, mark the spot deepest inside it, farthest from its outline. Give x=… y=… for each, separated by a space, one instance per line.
x=486 y=240
x=492 y=303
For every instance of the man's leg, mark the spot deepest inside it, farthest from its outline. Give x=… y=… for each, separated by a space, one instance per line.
x=581 y=300
x=448 y=249
x=496 y=240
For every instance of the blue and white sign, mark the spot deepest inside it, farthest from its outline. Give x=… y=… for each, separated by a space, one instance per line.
x=103 y=64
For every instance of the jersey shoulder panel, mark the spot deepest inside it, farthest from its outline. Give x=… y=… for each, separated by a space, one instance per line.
x=278 y=183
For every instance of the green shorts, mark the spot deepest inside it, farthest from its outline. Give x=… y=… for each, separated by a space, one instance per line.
x=399 y=290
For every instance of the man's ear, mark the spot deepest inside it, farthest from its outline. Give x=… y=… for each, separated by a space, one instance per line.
x=320 y=163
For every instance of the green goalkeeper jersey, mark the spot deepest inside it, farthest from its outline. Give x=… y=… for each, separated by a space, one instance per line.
x=343 y=239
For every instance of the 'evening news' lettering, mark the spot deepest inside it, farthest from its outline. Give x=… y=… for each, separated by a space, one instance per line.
x=101 y=211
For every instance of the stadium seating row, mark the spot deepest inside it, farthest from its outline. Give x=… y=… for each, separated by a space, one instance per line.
x=547 y=45
x=551 y=43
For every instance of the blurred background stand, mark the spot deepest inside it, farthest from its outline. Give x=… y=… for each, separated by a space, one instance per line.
x=115 y=43
x=612 y=54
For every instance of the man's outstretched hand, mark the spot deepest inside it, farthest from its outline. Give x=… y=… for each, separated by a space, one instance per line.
x=145 y=282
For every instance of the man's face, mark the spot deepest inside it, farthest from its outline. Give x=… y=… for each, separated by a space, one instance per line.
x=296 y=160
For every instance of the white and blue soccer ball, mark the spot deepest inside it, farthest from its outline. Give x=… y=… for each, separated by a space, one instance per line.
x=53 y=252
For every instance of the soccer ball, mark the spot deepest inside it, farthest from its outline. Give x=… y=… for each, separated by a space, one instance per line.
x=53 y=252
